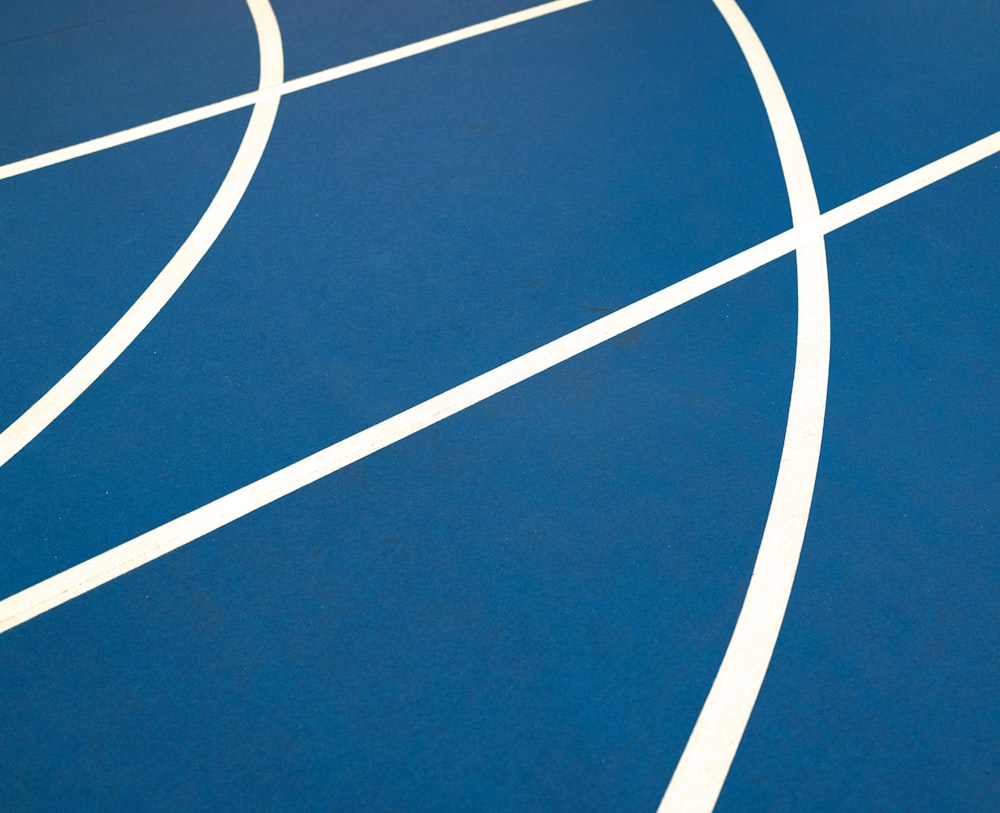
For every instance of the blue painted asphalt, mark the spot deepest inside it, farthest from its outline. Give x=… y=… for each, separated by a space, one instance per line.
x=524 y=606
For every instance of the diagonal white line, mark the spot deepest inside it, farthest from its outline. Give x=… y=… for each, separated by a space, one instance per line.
x=81 y=578
x=277 y=89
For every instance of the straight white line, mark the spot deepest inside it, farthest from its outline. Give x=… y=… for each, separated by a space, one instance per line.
x=81 y=578
x=86 y=371
x=276 y=88
x=911 y=182
x=406 y=51
x=702 y=769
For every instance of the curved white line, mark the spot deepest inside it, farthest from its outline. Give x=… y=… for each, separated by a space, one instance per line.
x=704 y=764
x=79 y=579
x=165 y=285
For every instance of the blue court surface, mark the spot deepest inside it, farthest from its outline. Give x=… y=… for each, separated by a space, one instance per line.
x=469 y=405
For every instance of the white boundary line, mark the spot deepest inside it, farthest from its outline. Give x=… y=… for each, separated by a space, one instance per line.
x=275 y=88
x=702 y=769
x=81 y=578
x=86 y=371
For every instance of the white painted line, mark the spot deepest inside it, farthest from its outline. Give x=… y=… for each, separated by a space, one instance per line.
x=901 y=187
x=86 y=371
x=102 y=568
x=711 y=747
x=106 y=142
x=81 y=578
x=275 y=88
x=423 y=46
x=910 y=183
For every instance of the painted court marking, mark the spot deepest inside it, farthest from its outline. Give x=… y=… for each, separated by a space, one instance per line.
x=117 y=561
x=274 y=88
x=86 y=371
x=704 y=764
x=265 y=100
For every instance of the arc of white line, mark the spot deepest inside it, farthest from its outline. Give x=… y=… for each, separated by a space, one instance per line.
x=79 y=579
x=279 y=88
x=86 y=371
x=711 y=747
